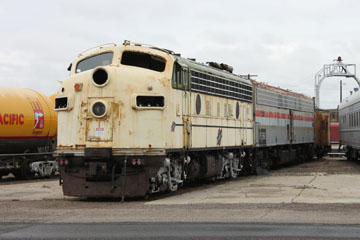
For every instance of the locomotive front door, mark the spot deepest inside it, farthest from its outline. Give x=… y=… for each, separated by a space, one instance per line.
x=99 y=120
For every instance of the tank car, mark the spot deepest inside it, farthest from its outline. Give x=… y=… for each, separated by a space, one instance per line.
x=134 y=119
x=28 y=125
x=349 y=125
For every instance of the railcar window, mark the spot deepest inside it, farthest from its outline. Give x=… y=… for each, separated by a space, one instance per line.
x=143 y=60
x=102 y=59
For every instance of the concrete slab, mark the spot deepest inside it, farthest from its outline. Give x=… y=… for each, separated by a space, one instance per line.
x=288 y=185
x=34 y=190
x=312 y=188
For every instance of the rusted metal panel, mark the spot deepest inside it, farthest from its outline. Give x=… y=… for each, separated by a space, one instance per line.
x=322 y=128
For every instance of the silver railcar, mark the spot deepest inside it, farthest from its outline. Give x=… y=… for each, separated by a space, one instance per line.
x=349 y=125
x=284 y=125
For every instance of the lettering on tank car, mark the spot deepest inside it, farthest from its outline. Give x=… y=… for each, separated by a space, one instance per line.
x=11 y=119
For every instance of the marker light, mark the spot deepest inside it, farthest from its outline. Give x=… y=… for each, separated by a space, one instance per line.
x=78 y=86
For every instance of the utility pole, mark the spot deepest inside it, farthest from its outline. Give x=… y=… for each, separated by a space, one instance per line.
x=340 y=91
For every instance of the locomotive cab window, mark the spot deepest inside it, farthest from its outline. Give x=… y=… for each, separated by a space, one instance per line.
x=143 y=60
x=180 y=77
x=102 y=59
x=150 y=101
x=177 y=77
x=61 y=103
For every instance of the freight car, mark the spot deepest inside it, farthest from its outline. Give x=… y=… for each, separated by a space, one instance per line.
x=322 y=133
x=349 y=125
x=136 y=119
x=28 y=125
x=334 y=133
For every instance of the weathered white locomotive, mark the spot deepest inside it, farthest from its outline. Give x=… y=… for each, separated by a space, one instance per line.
x=135 y=119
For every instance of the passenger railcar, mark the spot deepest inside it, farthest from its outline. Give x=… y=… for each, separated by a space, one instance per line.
x=349 y=125
x=284 y=129
x=136 y=119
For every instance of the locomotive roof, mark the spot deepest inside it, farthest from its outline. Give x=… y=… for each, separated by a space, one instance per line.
x=280 y=90
x=183 y=61
x=205 y=68
x=350 y=100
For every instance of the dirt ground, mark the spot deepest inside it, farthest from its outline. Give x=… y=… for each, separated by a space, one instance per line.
x=322 y=191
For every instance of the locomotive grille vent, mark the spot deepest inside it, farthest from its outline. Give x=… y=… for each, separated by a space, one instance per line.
x=218 y=86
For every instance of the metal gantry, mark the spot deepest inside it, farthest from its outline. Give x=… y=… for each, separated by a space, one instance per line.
x=336 y=69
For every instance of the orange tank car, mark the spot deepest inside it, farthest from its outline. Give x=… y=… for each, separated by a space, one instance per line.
x=28 y=126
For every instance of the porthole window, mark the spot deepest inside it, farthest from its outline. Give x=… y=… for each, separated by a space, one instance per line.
x=98 y=109
x=198 y=104
x=237 y=110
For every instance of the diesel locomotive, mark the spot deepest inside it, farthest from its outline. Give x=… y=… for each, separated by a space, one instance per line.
x=135 y=119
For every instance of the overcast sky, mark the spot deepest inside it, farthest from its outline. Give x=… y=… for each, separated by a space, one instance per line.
x=284 y=42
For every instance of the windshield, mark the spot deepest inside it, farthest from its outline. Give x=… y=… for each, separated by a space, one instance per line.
x=143 y=60
x=103 y=59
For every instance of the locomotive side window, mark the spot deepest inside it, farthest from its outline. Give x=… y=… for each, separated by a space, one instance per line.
x=61 y=103
x=177 y=77
x=150 y=101
x=143 y=60
x=102 y=59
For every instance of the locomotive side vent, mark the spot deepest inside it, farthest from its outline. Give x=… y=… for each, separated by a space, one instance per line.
x=150 y=101
x=100 y=77
x=61 y=103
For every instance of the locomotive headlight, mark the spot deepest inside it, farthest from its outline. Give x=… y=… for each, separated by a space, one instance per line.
x=100 y=77
x=99 y=109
